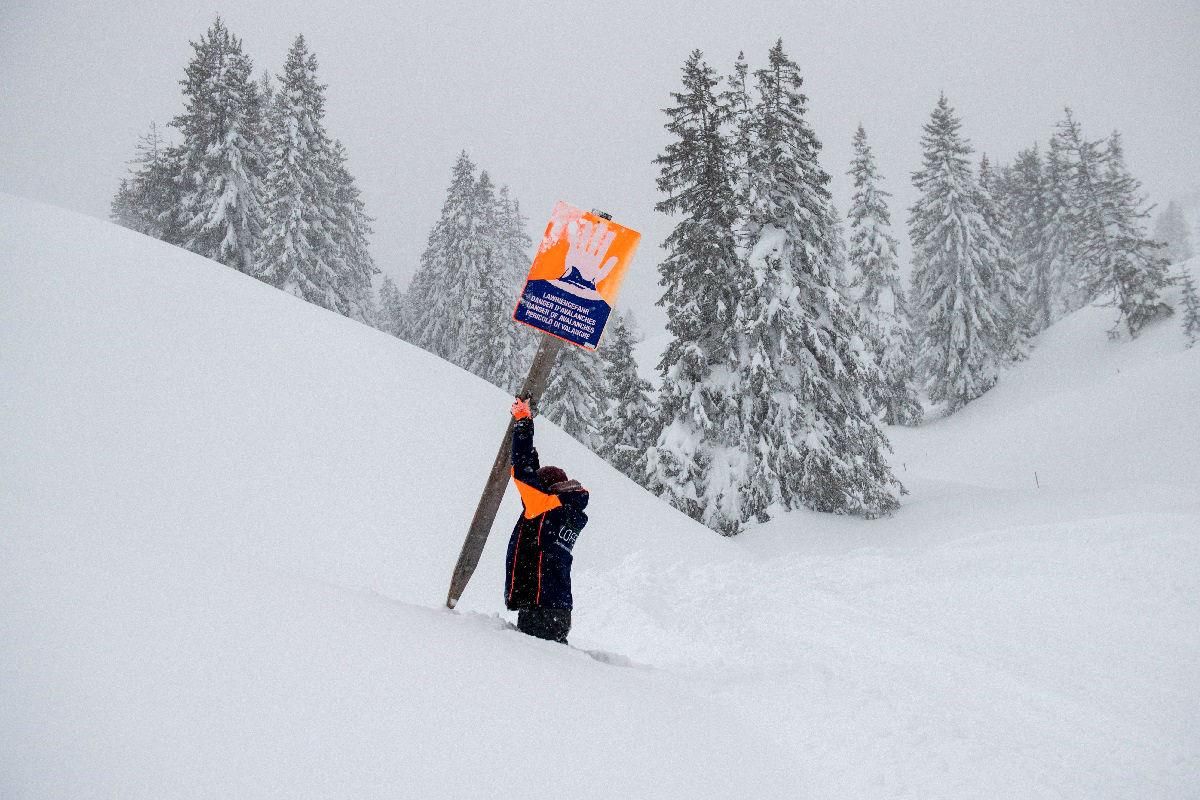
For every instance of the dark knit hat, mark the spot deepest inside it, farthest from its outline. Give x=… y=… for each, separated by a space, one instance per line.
x=551 y=475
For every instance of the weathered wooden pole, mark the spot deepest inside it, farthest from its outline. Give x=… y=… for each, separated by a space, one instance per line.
x=497 y=482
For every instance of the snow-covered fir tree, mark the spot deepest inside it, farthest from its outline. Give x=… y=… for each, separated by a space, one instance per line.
x=960 y=344
x=1172 y=230
x=438 y=302
x=513 y=344
x=1140 y=271
x=370 y=309
x=148 y=199
x=699 y=462
x=1007 y=284
x=223 y=154
x=350 y=229
x=1120 y=263
x=486 y=322
x=626 y=430
x=1022 y=194
x=878 y=291
x=839 y=257
x=575 y=396
x=388 y=318
x=266 y=104
x=460 y=302
x=300 y=251
x=1191 y=308
x=123 y=208
x=739 y=104
x=810 y=432
x=1057 y=241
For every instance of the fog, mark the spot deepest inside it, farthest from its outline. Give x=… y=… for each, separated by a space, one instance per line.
x=564 y=102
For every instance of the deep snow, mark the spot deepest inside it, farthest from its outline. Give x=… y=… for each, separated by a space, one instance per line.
x=229 y=519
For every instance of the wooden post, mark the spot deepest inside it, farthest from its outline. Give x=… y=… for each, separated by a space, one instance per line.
x=497 y=482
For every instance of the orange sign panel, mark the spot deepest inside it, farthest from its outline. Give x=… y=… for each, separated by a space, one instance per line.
x=572 y=285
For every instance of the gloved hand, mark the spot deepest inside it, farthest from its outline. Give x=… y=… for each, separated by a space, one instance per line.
x=520 y=409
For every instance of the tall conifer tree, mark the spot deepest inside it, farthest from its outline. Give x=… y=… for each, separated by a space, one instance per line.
x=150 y=198
x=628 y=425
x=123 y=208
x=698 y=463
x=960 y=341
x=1119 y=261
x=737 y=101
x=314 y=244
x=575 y=397
x=513 y=344
x=295 y=252
x=439 y=296
x=1025 y=203
x=1058 y=238
x=350 y=230
x=878 y=290
x=810 y=430
x=486 y=320
x=1007 y=284
x=388 y=320
x=1191 y=309
x=223 y=160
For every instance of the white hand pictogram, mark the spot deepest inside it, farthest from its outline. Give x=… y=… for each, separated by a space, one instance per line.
x=589 y=244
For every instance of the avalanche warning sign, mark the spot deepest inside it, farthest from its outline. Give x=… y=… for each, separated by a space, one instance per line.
x=572 y=286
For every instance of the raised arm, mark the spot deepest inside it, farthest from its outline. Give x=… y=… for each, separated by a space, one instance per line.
x=525 y=461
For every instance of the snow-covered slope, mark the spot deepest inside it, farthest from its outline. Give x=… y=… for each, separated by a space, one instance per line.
x=220 y=506
x=228 y=521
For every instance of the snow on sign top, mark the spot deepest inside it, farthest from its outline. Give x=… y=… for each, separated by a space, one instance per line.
x=572 y=285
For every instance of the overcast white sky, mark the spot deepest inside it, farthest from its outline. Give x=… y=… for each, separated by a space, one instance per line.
x=563 y=100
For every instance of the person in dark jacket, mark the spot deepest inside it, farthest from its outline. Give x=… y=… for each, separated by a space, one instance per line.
x=537 y=580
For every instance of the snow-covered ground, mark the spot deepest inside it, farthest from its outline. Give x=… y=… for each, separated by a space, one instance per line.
x=228 y=519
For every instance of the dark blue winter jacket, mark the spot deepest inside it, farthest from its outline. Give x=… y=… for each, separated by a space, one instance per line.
x=538 y=568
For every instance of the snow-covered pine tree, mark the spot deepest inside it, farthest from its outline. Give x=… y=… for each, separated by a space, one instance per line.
x=513 y=344
x=1191 y=308
x=298 y=251
x=266 y=104
x=1171 y=229
x=1118 y=259
x=1056 y=243
x=223 y=153
x=487 y=322
x=1021 y=193
x=389 y=305
x=123 y=208
x=839 y=258
x=149 y=199
x=1007 y=284
x=878 y=291
x=370 y=309
x=628 y=425
x=438 y=298
x=575 y=398
x=809 y=427
x=960 y=343
x=350 y=229
x=1140 y=272
x=740 y=106
x=699 y=462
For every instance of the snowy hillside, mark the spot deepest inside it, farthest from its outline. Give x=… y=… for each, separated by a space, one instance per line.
x=229 y=518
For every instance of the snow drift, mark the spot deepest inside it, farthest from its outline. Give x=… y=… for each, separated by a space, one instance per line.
x=228 y=521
